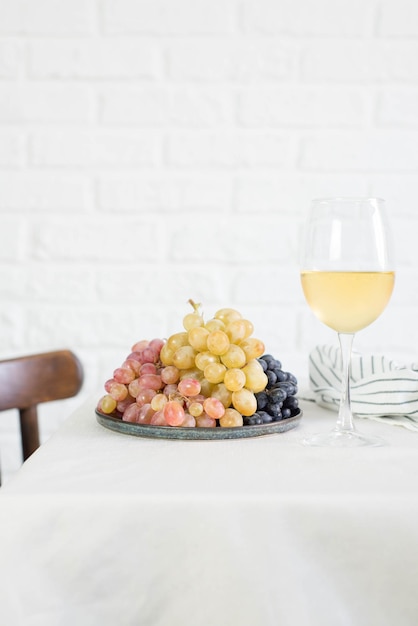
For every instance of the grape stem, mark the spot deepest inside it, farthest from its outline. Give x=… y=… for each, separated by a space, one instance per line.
x=196 y=305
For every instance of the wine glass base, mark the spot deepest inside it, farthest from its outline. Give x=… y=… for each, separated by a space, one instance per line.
x=343 y=439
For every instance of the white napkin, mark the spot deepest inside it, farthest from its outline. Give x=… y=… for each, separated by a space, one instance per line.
x=380 y=388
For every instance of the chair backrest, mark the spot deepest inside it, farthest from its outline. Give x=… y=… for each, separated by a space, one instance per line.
x=30 y=380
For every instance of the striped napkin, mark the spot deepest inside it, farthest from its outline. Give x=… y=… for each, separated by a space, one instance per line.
x=381 y=388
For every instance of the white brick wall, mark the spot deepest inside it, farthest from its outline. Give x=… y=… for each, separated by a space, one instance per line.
x=157 y=150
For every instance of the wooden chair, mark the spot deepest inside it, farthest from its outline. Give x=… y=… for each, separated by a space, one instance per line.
x=30 y=380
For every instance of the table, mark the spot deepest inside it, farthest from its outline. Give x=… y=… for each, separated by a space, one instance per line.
x=100 y=528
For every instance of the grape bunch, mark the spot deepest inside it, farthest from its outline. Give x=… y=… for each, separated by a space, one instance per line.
x=210 y=374
x=278 y=400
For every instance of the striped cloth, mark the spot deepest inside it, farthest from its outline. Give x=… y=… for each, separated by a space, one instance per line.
x=380 y=388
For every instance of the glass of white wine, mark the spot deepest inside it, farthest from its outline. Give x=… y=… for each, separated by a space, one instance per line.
x=347 y=276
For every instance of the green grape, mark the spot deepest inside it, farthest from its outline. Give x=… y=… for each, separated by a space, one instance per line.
x=178 y=340
x=206 y=388
x=192 y=320
x=198 y=338
x=227 y=315
x=236 y=331
x=249 y=328
x=158 y=402
x=218 y=342
x=244 y=401
x=231 y=419
x=235 y=379
x=184 y=358
x=255 y=378
x=214 y=372
x=252 y=347
x=194 y=372
x=222 y=393
x=195 y=409
x=234 y=357
x=166 y=355
x=213 y=324
x=107 y=404
x=204 y=358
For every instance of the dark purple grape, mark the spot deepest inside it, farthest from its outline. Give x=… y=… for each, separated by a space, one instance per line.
x=271 y=377
x=278 y=400
x=266 y=417
x=263 y=364
x=277 y=394
x=290 y=388
x=262 y=399
x=291 y=403
x=273 y=409
x=281 y=375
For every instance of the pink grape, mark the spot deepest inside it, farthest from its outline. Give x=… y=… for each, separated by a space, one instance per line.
x=149 y=356
x=118 y=391
x=145 y=414
x=156 y=345
x=174 y=413
x=133 y=365
x=140 y=345
x=145 y=396
x=124 y=375
x=123 y=404
x=158 y=419
x=134 y=356
x=134 y=387
x=150 y=381
x=199 y=398
x=169 y=390
x=214 y=408
x=189 y=421
x=148 y=368
x=109 y=384
x=189 y=387
x=170 y=374
x=131 y=414
x=204 y=421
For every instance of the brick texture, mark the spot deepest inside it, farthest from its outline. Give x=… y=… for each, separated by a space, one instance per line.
x=156 y=151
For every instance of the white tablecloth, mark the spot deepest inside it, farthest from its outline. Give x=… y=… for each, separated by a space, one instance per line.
x=101 y=528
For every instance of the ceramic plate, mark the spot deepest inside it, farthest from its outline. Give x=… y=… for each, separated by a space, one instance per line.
x=172 y=432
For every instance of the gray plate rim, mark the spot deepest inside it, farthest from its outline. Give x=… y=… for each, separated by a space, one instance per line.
x=209 y=434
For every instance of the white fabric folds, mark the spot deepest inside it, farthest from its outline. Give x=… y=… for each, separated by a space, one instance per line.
x=381 y=388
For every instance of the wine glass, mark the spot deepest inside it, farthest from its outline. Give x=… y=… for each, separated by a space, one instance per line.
x=347 y=277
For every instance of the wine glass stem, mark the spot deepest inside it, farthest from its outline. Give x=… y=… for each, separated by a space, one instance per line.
x=345 y=415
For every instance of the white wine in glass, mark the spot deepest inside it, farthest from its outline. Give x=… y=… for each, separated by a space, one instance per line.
x=347 y=276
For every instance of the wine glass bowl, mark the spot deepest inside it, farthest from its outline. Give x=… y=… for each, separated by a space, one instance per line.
x=347 y=277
